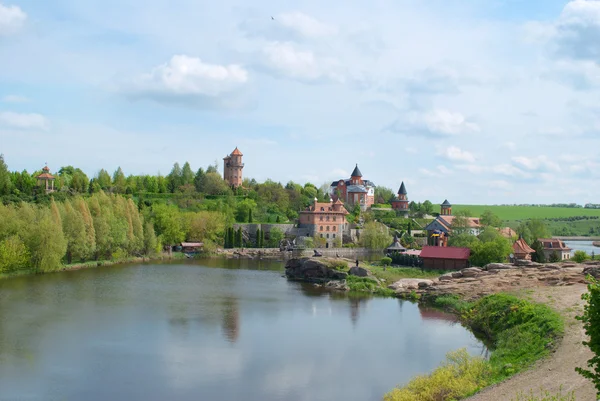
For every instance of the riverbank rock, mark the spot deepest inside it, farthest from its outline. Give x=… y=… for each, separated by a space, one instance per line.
x=313 y=270
x=358 y=271
x=498 y=266
x=594 y=271
x=470 y=272
x=409 y=284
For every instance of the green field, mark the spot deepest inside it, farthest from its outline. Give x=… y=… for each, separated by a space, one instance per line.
x=509 y=213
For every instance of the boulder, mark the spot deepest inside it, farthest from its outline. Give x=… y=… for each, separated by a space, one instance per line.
x=409 y=283
x=424 y=283
x=594 y=271
x=498 y=266
x=312 y=270
x=447 y=277
x=358 y=271
x=456 y=274
x=470 y=272
x=522 y=262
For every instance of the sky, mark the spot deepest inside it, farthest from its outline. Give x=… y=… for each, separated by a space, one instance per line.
x=477 y=102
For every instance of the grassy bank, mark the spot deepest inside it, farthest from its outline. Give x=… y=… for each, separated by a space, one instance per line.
x=526 y=212
x=519 y=333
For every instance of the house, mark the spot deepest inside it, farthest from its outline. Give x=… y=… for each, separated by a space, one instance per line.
x=324 y=220
x=191 y=247
x=232 y=168
x=445 y=258
x=552 y=245
x=354 y=191
x=46 y=180
x=400 y=203
x=440 y=229
x=521 y=250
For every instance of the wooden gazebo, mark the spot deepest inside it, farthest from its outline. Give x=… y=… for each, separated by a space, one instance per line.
x=46 y=180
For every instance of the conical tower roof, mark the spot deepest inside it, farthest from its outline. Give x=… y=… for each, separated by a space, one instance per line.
x=236 y=152
x=446 y=203
x=402 y=190
x=356 y=172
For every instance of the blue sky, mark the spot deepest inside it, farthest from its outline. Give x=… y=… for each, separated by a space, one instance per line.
x=491 y=101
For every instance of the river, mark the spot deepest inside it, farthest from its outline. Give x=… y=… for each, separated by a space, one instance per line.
x=582 y=246
x=210 y=330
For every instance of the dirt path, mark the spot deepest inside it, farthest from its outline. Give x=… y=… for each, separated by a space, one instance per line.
x=559 y=368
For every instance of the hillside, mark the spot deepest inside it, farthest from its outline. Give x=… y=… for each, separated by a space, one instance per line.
x=509 y=213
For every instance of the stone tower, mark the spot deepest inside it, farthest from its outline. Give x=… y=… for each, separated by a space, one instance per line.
x=232 y=168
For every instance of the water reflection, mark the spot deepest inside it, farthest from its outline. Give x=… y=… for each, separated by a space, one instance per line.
x=174 y=331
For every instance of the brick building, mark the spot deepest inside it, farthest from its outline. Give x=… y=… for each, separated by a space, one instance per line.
x=324 y=220
x=232 y=168
x=354 y=191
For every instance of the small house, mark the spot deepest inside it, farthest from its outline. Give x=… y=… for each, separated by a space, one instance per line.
x=552 y=245
x=445 y=257
x=521 y=250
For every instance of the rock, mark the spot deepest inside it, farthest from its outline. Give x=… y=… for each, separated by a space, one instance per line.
x=498 y=266
x=456 y=274
x=552 y=266
x=312 y=270
x=594 y=271
x=522 y=262
x=358 y=271
x=425 y=283
x=470 y=272
x=446 y=277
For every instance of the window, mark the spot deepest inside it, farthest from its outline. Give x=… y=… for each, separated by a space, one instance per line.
x=333 y=229
x=321 y=228
x=327 y=235
x=322 y=209
x=327 y=218
x=334 y=218
x=321 y=235
x=333 y=234
x=320 y=218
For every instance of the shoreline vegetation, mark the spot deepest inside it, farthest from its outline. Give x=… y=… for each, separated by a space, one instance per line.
x=519 y=333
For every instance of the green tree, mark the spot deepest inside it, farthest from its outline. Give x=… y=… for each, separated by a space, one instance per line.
x=75 y=234
x=554 y=257
x=463 y=241
x=591 y=325
x=538 y=255
x=167 y=224
x=175 y=178
x=275 y=237
x=215 y=185
x=199 y=180
x=244 y=210
x=14 y=255
x=150 y=240
x=384 y=195
x=5 y=182
x=488 y=218
x=461 y=223
x=250 y=220
x=239 y=238
x=375 y=236
x=187 y=175
x=427 y=207
x=495 y=251
x=104 y=180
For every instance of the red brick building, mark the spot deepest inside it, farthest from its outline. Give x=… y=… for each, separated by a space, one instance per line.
x=400 y=204
x=445 y=258
x=325 y=220
x=232 y=168
x=354 y=191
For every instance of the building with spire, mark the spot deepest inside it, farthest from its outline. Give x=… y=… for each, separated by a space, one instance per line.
x=232 y=168
x=400 y=203
x=354 y=191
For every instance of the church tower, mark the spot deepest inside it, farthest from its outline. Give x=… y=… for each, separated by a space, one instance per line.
x=232 y=168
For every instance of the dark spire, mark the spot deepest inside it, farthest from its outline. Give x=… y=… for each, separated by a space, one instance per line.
x=446 y=203
x=402 y=190
x=356 y=172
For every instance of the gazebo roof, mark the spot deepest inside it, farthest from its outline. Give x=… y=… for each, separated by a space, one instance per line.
x=446 y=203
x=396 y=245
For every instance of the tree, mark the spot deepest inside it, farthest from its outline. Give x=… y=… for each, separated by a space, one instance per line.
x=214 y=184
x=383 y=194
x=187 y=175
x=150 y=241
x=167 y=222
x=538 y=255
x=427 y=207
x=463 y=241
x=14 y=255
x=461 y=223
x=250 y=216
x=104 y=180
x=275 y=237
x=533 y=229
x=495 y=251
x=554 y=257
x=75 y=234
x=580 y=256
x=244 y=210
x=175 y=178
x=199 y=180
x=591 y=325
x=375 y=236
x=488 y=218
x=5 y=183
x=409 y=228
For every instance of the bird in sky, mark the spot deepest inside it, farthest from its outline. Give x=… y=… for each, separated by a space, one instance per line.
x=272 y=18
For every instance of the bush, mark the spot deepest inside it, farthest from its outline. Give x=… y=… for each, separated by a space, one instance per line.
x=338 y=264
x=591 y=325
x=459 y=376
x=386 y=261
x=580 y=256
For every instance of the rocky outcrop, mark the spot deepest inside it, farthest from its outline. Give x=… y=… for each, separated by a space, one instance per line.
x=497 y=277
x=313 y=270
x=358 y=271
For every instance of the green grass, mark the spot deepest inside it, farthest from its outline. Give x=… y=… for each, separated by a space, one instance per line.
x=365 y=284
x=519 y=333
x=526 y=212
x=393 y=274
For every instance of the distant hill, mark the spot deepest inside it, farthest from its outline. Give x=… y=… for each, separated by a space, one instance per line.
x=511 y=213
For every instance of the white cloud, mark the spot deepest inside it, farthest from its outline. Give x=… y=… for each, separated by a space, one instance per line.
x=305 y=24
x=509 y=170
x=23 y=120
x=12 y=19
x=284 y=59
x=439 y=171
x=14 y=99
x=537 y=163
x=456 y=154
x=187 y=77
x=435 y=122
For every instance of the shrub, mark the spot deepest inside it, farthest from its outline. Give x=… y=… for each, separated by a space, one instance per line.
x=459 y=376
x=386 y=261
x=338 y=264
x=580 y=256
x=591 y=325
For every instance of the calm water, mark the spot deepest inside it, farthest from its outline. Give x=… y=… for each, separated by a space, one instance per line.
x=583 y=246
x=219 y=330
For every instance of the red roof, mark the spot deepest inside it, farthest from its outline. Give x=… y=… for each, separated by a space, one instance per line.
x=520 y=246
x=46 y=175
x=443 y=252
x=236 y=152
